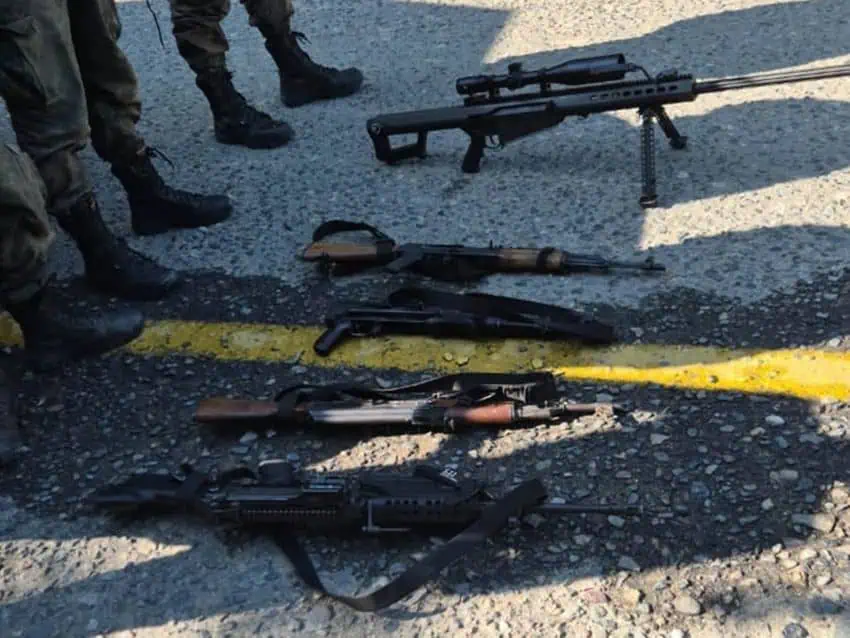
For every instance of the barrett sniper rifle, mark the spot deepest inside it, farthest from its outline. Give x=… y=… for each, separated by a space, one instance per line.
x=448 y=404
x=599 y=86
x=452 y=262
x=278 y=502
x=417 y=311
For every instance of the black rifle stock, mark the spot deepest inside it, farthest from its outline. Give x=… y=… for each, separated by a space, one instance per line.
x=276 y=500
x=417 y=311
x=599 y=87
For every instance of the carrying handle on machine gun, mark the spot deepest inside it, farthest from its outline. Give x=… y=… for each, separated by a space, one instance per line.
x=389 y=155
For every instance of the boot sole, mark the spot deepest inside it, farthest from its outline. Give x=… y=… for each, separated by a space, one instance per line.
x=157 y=227
x=265 y=144
x=297 y=98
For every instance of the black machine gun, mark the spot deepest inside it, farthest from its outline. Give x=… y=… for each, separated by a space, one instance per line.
x=274 y=499
x=598 y=84
x=418 y=311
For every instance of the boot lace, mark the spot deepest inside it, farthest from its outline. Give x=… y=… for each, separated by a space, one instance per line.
x=174 y=194
x=297 y=37
x=239 y=106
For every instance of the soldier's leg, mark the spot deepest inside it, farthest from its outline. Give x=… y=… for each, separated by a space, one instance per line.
x=51 y=334
x=196 y=25
x=114 y=109
x=301 y=79
x=40 y=83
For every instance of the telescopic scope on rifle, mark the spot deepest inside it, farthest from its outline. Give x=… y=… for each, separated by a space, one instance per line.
x=604 y=68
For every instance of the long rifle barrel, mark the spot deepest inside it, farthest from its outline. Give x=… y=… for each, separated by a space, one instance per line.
x=770 y=79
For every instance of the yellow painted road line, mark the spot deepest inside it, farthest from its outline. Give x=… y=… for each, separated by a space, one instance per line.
x=802 y=373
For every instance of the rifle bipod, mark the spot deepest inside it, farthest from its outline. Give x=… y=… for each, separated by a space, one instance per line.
x=648 y=193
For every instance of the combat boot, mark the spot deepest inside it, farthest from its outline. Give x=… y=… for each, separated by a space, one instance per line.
x=236 y=121
x=301 y=79
x=53 y=336
x=111 y=265
x=156 y=207
x=10 y=437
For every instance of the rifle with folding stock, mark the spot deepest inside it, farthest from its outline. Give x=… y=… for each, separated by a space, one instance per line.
x=417 y=311
x=275 y=500
x=597 y=85
x=449 y=403
x=452 y=262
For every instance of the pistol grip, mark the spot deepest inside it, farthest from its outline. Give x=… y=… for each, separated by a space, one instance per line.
x=389 y=155
x=328 y=340
x=472 y=159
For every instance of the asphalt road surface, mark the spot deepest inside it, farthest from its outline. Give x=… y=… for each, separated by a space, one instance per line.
x=753 y=227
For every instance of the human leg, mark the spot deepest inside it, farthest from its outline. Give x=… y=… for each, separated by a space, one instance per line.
x=41 y=86
x=114 y=109
x=196 y=25
x=51 y=334
x=301 y=79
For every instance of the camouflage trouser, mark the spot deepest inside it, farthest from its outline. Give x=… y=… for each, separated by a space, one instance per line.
x=110 y=83
x=40 y=83
x=65 y=81
x=25 y=231
x=197 y=26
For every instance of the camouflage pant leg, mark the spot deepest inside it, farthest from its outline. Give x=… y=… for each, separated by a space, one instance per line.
x=196 y=25
x=271 y=17
x=110 y=82
x=25 y=231
x=40 y=83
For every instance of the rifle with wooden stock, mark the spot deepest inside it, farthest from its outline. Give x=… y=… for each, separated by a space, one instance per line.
x=452 y=262
x=448 y=404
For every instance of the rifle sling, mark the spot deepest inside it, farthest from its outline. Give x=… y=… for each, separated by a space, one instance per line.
x=493 y=518
x=533 y=387
x=384 y=244
x=404 y=257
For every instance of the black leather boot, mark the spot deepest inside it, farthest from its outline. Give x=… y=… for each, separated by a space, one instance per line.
x=111 y=265
x=10 y=437
x=157 y=207
x=302 y=80
x=53 y=336
x=236 y=121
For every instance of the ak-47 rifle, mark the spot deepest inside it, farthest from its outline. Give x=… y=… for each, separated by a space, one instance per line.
x=417 y=311
x=452 y=262
x=598 y=85
x=448 y=404
x=277 y=501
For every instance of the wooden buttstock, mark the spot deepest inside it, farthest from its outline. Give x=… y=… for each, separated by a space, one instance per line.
x=527 y=259
x=220 y=410
x=486 y=415
x=340 y=252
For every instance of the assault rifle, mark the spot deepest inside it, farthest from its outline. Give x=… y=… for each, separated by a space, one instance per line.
x=277 y=501
x=473 y=315
x=449 y=403
x=598 y=85
x=452 y=262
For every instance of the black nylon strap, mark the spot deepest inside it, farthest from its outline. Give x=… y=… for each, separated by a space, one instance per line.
x=336 y=226
x=503 y=307
x=384 y=244
x=493 y=518
x=397 y=257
